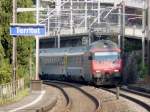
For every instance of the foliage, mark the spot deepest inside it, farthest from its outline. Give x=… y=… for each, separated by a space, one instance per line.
x=5 y=68
x=25 y=46
x=5 y=72
x=132 y=45
x=143 y=71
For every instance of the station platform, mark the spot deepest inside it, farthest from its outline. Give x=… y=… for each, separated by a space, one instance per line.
x=36 y=101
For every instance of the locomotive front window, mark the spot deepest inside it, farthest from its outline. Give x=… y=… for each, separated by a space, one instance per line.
x=106 y=56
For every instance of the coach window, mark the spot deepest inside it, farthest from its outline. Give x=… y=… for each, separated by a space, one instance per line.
x=50 y=59
x=56 y=60
x=74 y=60
x=53 y=60
x=79 y=61
x=61 y=61
x=68 y=59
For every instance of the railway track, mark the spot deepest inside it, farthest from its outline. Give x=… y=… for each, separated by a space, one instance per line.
x=78 y=100
x=67 y=98
x=137 y=97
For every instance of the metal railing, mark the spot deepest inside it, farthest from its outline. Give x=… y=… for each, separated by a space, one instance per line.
x=9 y=91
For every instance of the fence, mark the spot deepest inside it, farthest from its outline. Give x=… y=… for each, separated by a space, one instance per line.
x=9 y=91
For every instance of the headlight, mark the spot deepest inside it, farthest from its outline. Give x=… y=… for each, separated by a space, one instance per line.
x=116 y=70
x=97 y=71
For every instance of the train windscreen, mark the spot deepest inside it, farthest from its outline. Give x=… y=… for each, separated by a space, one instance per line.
x=106 y=56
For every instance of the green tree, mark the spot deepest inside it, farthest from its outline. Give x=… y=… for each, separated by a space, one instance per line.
x=5 y=17
x=24 y=45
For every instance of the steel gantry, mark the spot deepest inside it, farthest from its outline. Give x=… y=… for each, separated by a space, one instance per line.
x=78 y=16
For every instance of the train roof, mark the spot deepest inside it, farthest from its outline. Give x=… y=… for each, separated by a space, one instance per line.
x=101 y=44
x=63 y=51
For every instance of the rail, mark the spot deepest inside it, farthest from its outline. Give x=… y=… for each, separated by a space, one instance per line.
x=93 y=98
x=68 y=104
x=137 y=97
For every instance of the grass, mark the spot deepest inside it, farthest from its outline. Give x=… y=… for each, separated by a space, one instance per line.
x=20 y=95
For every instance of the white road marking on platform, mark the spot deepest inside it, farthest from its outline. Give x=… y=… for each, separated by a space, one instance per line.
x=34 y=102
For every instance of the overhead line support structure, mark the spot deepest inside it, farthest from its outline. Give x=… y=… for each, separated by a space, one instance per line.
x=58 y=7
x=123 y=26
x=122 y=43
x=148 y=2
x=14 y=46
x=119 y=26
x=143 y=28
x=37 y=40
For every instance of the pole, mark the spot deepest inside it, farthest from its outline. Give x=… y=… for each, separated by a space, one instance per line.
x=123 y=26
x=85 y=16
x=119 y=26
x=14 y=46
x=143 y=34
x=148 y=37
x=71 y=16
x=117 y=92
x=99 y=11
x=37 y=41
x=30 y=63
x=48 y=30
x=58 y=7
x=122 y=40
x=58 y=34
x=89 y=37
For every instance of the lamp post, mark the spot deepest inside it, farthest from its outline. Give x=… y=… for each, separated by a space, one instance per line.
x=14 y=46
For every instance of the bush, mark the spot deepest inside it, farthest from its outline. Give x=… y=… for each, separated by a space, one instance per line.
x=23 y=71
x=143 y=71
x=5 y=73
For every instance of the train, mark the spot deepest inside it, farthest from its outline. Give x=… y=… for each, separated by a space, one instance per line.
x=98 y=63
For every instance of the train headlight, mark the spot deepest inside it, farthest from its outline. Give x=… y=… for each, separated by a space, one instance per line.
x=116 y=70
x=97 y=71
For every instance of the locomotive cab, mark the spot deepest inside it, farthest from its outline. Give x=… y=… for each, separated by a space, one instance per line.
x=106 y=67
x=105 y=62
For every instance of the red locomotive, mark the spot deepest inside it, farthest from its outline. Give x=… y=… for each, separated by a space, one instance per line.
x=98 y=63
